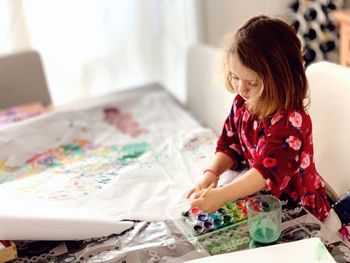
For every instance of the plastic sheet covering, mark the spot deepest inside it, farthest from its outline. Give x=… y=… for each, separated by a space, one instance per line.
x=76 y=173
x=145 y=242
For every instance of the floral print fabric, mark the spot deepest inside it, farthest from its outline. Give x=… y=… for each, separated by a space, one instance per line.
x=280 y=147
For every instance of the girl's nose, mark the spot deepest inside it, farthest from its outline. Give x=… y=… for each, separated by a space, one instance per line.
x=242 y=85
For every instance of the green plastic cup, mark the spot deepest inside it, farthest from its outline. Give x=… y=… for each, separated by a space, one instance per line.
x=264 y=218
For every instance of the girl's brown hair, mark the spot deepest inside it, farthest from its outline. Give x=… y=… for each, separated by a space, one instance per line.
x=269 y=47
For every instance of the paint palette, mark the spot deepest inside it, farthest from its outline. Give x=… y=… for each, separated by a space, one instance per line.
x=194 y=222
x=223 y=231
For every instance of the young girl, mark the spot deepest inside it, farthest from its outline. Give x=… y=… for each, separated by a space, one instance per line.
x=268 y=128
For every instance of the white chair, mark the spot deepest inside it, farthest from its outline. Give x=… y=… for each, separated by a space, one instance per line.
x=207 y=98
x=22 y=79
x=330 y=112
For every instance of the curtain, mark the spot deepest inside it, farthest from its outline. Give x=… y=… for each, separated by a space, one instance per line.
x=93 y=47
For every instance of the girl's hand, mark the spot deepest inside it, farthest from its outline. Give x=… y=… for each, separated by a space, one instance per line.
x=210 y=202
x=205 y=182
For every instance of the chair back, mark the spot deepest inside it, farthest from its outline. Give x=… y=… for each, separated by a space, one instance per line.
x=330 y=113
x=22 y=79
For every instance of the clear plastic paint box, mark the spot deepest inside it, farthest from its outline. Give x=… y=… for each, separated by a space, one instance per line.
x=227 y=239
x=220 y=232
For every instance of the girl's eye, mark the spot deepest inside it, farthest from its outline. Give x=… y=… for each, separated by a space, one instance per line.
x=253 y=84
x=234 y=77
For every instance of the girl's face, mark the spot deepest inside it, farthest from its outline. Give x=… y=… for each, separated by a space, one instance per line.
x=245 y=81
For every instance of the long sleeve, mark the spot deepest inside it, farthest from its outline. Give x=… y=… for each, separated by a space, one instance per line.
x=228 y=141
x=285 y=159
x=279 y=152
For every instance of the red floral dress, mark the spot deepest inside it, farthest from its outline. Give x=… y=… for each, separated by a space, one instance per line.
x=280 y=147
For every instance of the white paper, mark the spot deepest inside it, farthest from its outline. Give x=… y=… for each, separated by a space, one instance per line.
x=89 y=196
x=303 y=251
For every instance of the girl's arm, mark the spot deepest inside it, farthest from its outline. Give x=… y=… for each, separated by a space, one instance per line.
x=220 y=164
x=247 y=184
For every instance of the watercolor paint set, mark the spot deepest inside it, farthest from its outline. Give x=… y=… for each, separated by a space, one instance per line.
x=222 y=231
x=196 y=223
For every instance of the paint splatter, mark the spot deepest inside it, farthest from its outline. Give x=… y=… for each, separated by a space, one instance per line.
x=72 y=170
x=82 y=167
x=123 y=121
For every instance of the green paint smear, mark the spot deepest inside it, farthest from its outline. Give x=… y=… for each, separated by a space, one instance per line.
x=321 y=253
x=70 y=153
x=132 y=151
x=72 y=149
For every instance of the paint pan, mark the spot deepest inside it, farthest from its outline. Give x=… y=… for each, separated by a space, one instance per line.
x=186 y=213
x=238 y=215
x=195 y=211
x=240 y=204
x=227 y=219
x=197 y=228
x=231 y=206
x=222 y=211
x=218 y=222
x=202 y=217
x=208 y=225
x=213 y=215
x=191 y=221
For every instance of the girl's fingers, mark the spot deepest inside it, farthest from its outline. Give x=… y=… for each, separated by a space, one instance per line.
x=198 y=194
x=194 y=190
x=196 y=203
x=191 y=192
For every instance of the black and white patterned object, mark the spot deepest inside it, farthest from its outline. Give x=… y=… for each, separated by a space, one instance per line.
x=316 y=28
x=158 y=241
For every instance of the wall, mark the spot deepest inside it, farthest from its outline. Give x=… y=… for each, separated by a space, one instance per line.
x=223 y=16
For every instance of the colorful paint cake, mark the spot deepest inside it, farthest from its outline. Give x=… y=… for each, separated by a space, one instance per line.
x=194 y=222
